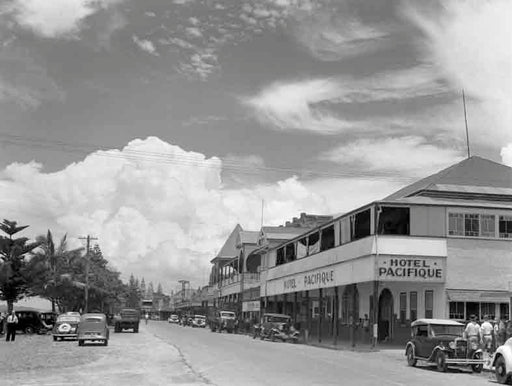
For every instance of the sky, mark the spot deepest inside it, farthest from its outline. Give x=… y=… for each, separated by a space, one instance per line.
x=156 y=125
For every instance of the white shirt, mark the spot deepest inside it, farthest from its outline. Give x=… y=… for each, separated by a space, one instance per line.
x=486 y=328
x=472 y=329
x=12 y=319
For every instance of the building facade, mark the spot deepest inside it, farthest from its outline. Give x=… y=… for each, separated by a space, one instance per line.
x=439 y=248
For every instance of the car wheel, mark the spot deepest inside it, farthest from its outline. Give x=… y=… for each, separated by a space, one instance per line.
x=500 y=369
x=105 y=342
x=411 y=361
x=28 y=330
x=80 y=342
x=55 y=339
x=441 y=361
x=477 y=368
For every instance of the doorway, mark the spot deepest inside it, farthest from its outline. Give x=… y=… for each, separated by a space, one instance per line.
x=385 y=315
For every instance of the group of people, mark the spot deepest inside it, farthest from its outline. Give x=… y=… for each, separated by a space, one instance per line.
x=10 y=322
x=488 y=335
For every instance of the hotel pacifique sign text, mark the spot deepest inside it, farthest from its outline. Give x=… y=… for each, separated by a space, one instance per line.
x=307 y=281
x=425 y=269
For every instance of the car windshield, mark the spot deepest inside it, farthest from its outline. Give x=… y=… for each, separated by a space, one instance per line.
x=227 y=314
x=94 y=319
x=440 y=329
x=68 y=318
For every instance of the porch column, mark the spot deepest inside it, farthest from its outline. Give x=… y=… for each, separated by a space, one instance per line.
x=294 y=317
x=335 y=308
x=308 y=316
x=320 y=313
x=375 y=313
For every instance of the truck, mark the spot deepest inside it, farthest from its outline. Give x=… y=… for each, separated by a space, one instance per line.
x=128 y=318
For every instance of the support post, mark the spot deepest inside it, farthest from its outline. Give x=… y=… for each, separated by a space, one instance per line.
x=335 y=311
x=320 y=314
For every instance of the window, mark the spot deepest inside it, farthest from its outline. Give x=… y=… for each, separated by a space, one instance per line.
x=488 y=309
x=471 y=225
x=403 y=307
x=394 y=221
x=280 y=256
x=455 y=224
x=413 y=305
x=289 y=253
x=361 y=225
x=313 y=243
x=505 y=226
x=327 y=238
x=302 y=248
x=429 y=304
x=456 y=310
x=488 y=225
x=504 y=311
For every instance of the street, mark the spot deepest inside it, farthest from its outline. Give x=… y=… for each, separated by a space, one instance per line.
x=165 y=354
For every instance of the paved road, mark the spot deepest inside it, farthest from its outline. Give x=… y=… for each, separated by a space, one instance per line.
x=164 y=354
x=226 y=359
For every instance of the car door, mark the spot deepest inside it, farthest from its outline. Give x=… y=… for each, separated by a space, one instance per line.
x=421 y=340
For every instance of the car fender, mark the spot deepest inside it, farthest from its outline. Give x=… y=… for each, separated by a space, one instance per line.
x=506 y=352
x=410 y=344
x=435 y=350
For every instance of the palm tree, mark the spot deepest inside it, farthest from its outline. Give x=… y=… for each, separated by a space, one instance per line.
x=54 y=268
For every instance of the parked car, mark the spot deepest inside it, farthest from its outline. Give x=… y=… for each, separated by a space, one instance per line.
x=93 y=327
x=173 y=319
x=441 y=342
x=502 y=363
x=199 y=321
x=31 y=321
x=273 y=326
x=223 y=320
x=128 y=318
x=66 y=326
x=49 y=318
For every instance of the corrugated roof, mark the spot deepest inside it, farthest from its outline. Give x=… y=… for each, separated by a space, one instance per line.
x=471 y=189
x=423 y=200
x=229 y=248
x=474 y=171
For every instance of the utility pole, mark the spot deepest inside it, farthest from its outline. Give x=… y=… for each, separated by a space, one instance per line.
x=87 y=261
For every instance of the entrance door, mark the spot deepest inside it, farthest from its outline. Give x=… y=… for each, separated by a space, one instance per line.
x=385 y=315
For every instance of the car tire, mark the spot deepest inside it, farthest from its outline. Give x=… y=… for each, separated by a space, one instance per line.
x=105 y=343
x=55 y=339
x=28 y=330
x=80 y=342
x=477 y=368
x=441 y=361
x=411 y=361
x=500 y=369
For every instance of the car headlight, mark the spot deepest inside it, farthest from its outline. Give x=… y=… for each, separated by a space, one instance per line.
x=452 y=345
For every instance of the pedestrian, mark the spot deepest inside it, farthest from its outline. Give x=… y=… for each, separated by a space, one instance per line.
x=486 y=333
x=500 y=332
x=146 y=317
x=472 y=333
x=12 y=321
x=2 y=322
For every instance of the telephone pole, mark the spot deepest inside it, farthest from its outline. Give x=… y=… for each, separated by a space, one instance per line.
x=87 y=261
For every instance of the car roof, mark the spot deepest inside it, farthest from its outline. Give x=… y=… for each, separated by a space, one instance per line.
x=199 y=316
x=278 y=315
x=446 y=322
x=94 y=314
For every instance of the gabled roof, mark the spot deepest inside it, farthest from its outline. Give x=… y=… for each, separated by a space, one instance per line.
x=283 y=233
x=229 y=249
x=248 y=237
x=471 y=172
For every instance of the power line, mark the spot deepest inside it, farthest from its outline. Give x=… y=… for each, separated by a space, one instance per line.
x=186 y=160
x=87 y=263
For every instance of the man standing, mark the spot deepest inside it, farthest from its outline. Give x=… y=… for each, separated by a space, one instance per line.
x=472 y=332
x=12 y=321
x=486 y=332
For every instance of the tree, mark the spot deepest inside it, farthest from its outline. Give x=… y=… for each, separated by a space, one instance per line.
x=143 y=287
x=149 y=293
x=13 y=274
x=159 y=289
x=133 y=295
x=55 y=270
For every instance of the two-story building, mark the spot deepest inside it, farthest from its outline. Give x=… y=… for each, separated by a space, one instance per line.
x=439 y=248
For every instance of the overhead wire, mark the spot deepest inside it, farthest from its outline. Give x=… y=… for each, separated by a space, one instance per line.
x=186 y=159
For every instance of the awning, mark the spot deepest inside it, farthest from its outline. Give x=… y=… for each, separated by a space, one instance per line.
x=478 y=296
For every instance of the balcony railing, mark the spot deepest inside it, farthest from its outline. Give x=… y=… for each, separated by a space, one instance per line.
x=237 y=277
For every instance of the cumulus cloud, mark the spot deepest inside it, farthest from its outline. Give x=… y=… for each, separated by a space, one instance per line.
x=158 y=211
x=56 y=18
x=145 y=45
x=470 y=41
x=412 y=156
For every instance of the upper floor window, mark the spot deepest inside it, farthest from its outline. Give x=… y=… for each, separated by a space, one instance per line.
x=360 y=224
x=289 y=253
x=327 y=238
x=505 y=226
x=456 y=224
x=394 y=221
x=314 y=243
x=471 y=224
x=280 y=256
x=488 y=223
x=302 y=248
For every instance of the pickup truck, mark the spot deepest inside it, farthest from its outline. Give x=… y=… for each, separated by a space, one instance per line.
x=128 y=318
x=223 y=320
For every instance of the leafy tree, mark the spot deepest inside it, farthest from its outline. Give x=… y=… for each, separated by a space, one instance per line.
x=159 y=289
x=55 y=270
x=150 y=291
x=143 y=287
x=133 y=295
x=14 y=277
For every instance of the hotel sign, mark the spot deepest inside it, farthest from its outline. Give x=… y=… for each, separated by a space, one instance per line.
x=418 y=269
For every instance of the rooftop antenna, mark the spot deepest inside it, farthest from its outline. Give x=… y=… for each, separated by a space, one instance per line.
x=262 y=205
x=466 y=122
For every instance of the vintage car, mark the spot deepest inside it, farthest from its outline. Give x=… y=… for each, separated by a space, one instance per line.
x=66 y=326
x=199 y=321
x=127 y=319
x=31 y=321
x=223 y=320
x=273 y=326
x=174 y=319
x=502 y=362
x=93 y=327
x=441 y=342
